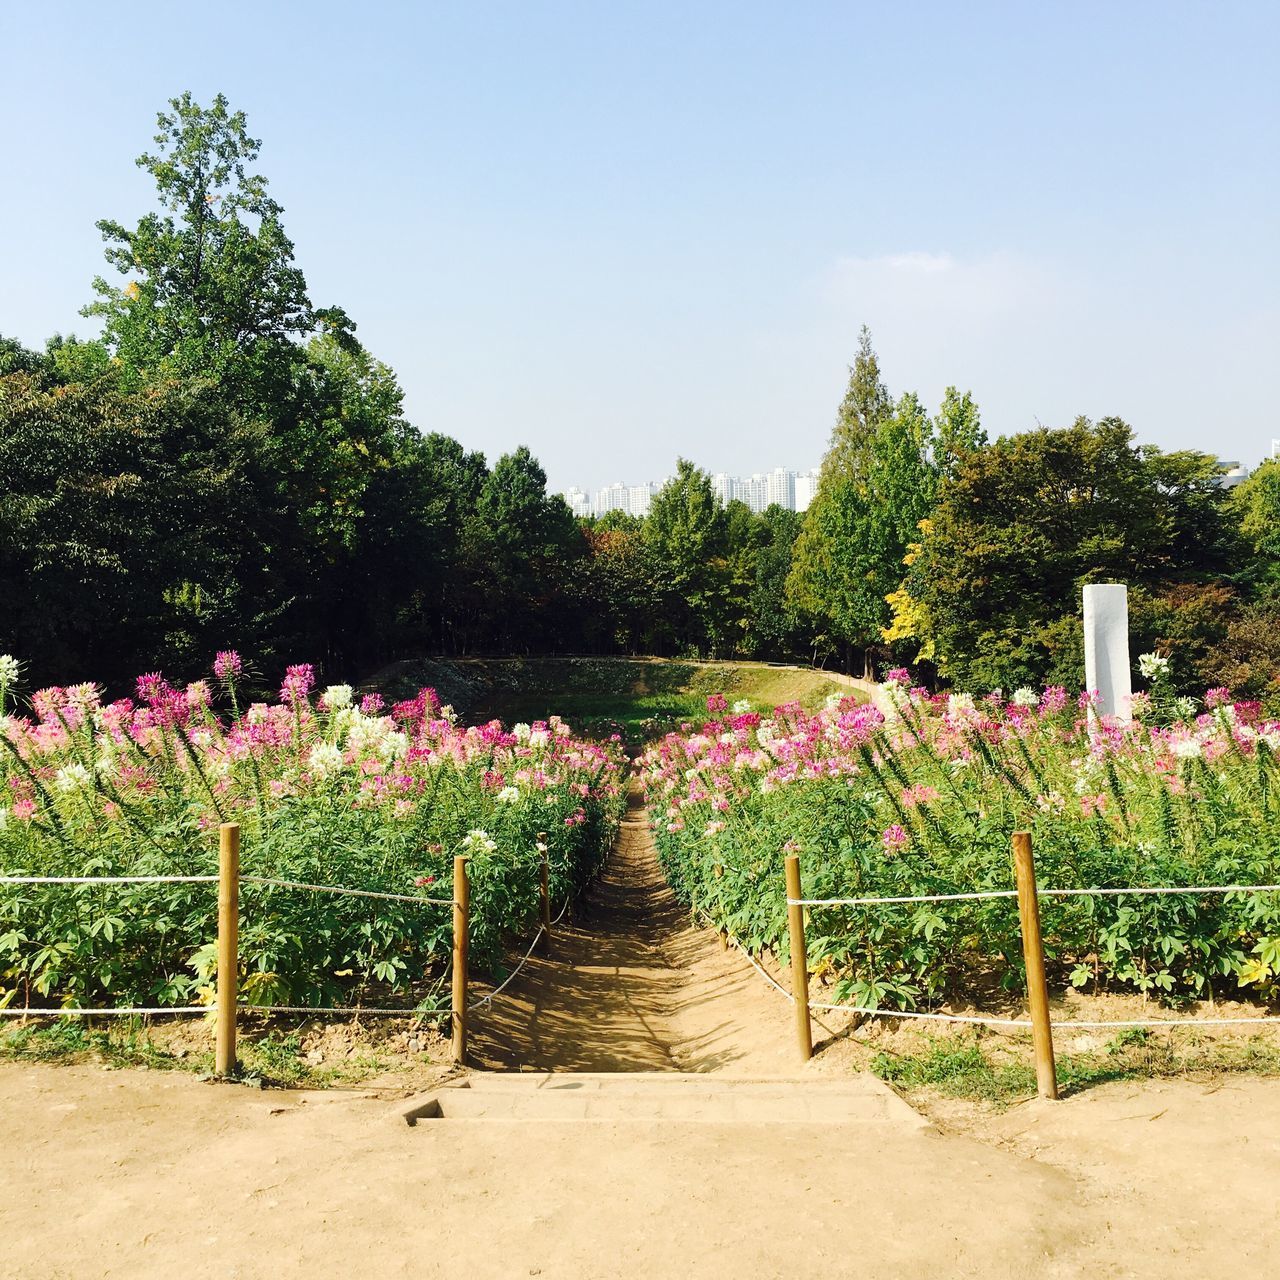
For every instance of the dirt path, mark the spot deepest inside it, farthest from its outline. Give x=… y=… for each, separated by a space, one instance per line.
x=633 y=987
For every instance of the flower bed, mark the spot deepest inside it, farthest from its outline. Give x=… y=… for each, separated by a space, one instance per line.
x=329 y=790
x=926 y=804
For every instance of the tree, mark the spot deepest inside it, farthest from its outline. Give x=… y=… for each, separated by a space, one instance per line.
x=774 y=626
x=1256 y=507
x=1025 y=522
x=212 y=289
x=124 y=526
x=877 y=482
x=686 y=531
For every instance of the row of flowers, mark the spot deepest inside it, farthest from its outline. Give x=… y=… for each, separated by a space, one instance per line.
x=328 y=786
x=924 y=802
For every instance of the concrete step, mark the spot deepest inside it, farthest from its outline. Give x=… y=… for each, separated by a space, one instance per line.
x=662 y=1096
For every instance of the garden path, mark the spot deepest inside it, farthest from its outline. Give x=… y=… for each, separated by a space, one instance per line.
x=631 y=985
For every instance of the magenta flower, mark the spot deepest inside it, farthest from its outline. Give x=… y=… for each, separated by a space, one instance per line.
x=717 y=702
x=897 y=675
x=895 y=838
x=372 y=704
x=227 y=665
x=1053 y=699
x=299 y=680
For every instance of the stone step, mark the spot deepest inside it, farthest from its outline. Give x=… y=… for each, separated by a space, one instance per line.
x=662 y=1096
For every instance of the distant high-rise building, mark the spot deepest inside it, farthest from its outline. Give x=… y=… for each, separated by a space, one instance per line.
x=723 y=486
x=1232 y=473
x=781 y=486
x=805 y=488
x=780 y=489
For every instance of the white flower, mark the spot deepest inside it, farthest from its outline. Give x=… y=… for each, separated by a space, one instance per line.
x=479 y=841
x=521 y=732
x=741 y=707
x=958 y=703
x=1186 y=748
x=9 y=669
x=4 y=813
x=508 y=795
x=1184 y=708
x=337 y=696
x=72 y=777
x=1152 y=665
x=396 y=745
x=541 y=846
x=448 y=713
x=832 y=701
x=1025 y=697
x=325 y=758
x=1272 y=738
x=539 y=738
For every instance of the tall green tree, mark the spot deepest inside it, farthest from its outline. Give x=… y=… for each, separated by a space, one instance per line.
x=877 y=482
x=686 y=531
x=211 y=288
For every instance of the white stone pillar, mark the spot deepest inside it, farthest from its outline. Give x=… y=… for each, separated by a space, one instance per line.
x=1106 y=647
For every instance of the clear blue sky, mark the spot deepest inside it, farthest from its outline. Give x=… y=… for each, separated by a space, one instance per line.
x=618 y=232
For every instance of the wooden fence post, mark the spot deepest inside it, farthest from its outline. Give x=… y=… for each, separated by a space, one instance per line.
x=228 y=979
x=544 y=892
x=799 y=959
x=1024 y=866
x=461 y=912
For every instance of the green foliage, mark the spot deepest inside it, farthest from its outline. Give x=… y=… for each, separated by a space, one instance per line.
x=327 y=795
x=926 y=805
x=974 y=1067
x=1026 y=522
x=878 y=482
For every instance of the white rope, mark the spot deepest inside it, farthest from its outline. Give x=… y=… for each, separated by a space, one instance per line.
x=475 y=1004
x=355 y=893
x=353 y=1010
x=760 y=969
x=525 y=960
x=108 y=879
x=865 y=902
x=1213 y=888
x=1023 y=1025
x=107 y=1013
x=1042 y=893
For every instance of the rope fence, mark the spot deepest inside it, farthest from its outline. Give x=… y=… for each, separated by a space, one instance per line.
x=1042 y=893
x=227 y=1006
x=333 y=888
x=108 y=879
x=1028 y=895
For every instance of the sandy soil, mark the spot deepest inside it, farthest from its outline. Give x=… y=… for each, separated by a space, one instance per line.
x=129 y=1173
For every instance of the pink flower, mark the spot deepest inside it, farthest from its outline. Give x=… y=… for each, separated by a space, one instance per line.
x=1053 y=699
x=227 y=665
x=372 y=704
x=919 y=794
x=24 y=810
x=897 y=675
x=1091 y=805
x=717 y=702
x=894 y=838
x=1217 y=697
x=299 y=680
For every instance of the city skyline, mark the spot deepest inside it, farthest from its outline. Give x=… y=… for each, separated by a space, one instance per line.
x=782 y=486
